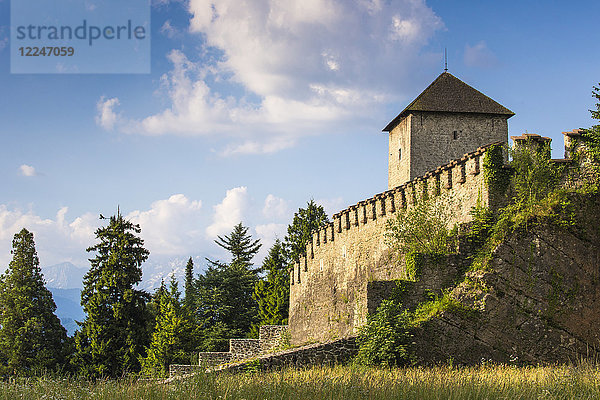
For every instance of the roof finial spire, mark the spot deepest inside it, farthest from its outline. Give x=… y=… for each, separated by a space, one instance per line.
x=445 y=60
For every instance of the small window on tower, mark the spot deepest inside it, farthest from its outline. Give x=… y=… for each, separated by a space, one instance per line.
x=399 y=154
x=455 y=135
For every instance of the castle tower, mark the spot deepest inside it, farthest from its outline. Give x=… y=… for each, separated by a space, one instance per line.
x=447 y=120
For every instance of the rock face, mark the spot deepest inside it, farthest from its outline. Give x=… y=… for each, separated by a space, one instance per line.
x=538 y=300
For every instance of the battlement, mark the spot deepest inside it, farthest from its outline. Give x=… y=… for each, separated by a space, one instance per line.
x=450 y=180
x=328 y=285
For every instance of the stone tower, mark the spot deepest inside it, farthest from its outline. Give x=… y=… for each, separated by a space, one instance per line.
x=447 y=120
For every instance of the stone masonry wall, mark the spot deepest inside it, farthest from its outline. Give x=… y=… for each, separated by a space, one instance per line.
x=428 y=140
x=335 y=352
x=399 y=154
x=270 y=337
x=244 y=348
x=210 y=359
x=328 y=292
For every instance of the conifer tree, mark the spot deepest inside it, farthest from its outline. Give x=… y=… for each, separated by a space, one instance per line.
x=272 y=294
x=114 y=333
x=189 y=285
x=172 y=338
x=240 y=244
x=31 y=336
x=299 y=232
x=225 y=307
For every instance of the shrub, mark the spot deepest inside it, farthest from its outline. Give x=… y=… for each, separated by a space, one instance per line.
x=386 y=337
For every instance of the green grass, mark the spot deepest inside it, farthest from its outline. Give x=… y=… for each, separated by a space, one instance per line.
x=349 y=382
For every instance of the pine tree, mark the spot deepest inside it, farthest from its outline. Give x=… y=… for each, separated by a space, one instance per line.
x=31 y=336
x=300 y=230
x=272 y=294
x=172 y=339
x=189 y=285
x=240 y=244
x=114 y=332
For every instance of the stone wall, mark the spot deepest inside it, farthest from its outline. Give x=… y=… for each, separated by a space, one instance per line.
x=210 y=359
x=400 y=153
x=270 y=338
x=335 y=352
x=423 y=140
x=328 y=296
x=244 y=348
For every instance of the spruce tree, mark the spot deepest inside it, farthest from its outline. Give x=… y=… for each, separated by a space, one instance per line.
x=172 y=338
x=31 y=336
x=224 y=303
x=272 y=293
x=114 y=333
x=189 y=285
x=240 y=244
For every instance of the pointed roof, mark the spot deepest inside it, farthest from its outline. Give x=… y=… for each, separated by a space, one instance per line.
x=449 y=94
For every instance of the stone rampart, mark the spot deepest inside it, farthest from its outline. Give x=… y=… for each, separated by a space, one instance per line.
x=328 y=296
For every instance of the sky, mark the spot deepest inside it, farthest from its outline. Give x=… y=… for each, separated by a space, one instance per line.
x=253 y=107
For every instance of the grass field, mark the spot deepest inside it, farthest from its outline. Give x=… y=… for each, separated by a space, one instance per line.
x=484 y=382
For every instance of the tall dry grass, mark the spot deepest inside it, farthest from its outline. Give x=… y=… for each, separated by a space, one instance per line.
x=341 y=382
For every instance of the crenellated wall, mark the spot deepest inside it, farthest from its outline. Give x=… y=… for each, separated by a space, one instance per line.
x=328 y=296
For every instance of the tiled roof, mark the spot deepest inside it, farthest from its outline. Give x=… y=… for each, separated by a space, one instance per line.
x=449 y=94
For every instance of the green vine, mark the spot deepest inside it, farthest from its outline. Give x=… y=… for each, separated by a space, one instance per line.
x=496 y=176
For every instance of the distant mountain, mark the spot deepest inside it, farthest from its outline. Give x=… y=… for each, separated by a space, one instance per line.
x=64 y=280
x=153 y=271
x=68 y=307
x=64 y=276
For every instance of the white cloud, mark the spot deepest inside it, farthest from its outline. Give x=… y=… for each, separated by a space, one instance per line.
x=332 y=205
x=57 y=240
x=106 y=116
x=288 y=69
x=275 y=207
x=480 y=56
x=170 y=226
x=267 y=233
x=168 y=30
x=229 y=212
x=173 y=229
x=27 y=170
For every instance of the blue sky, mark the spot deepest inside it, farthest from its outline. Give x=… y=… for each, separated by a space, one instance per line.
x=253 y=107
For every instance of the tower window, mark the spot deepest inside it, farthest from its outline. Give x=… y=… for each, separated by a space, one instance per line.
x=455 y=135
x=399 y=154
